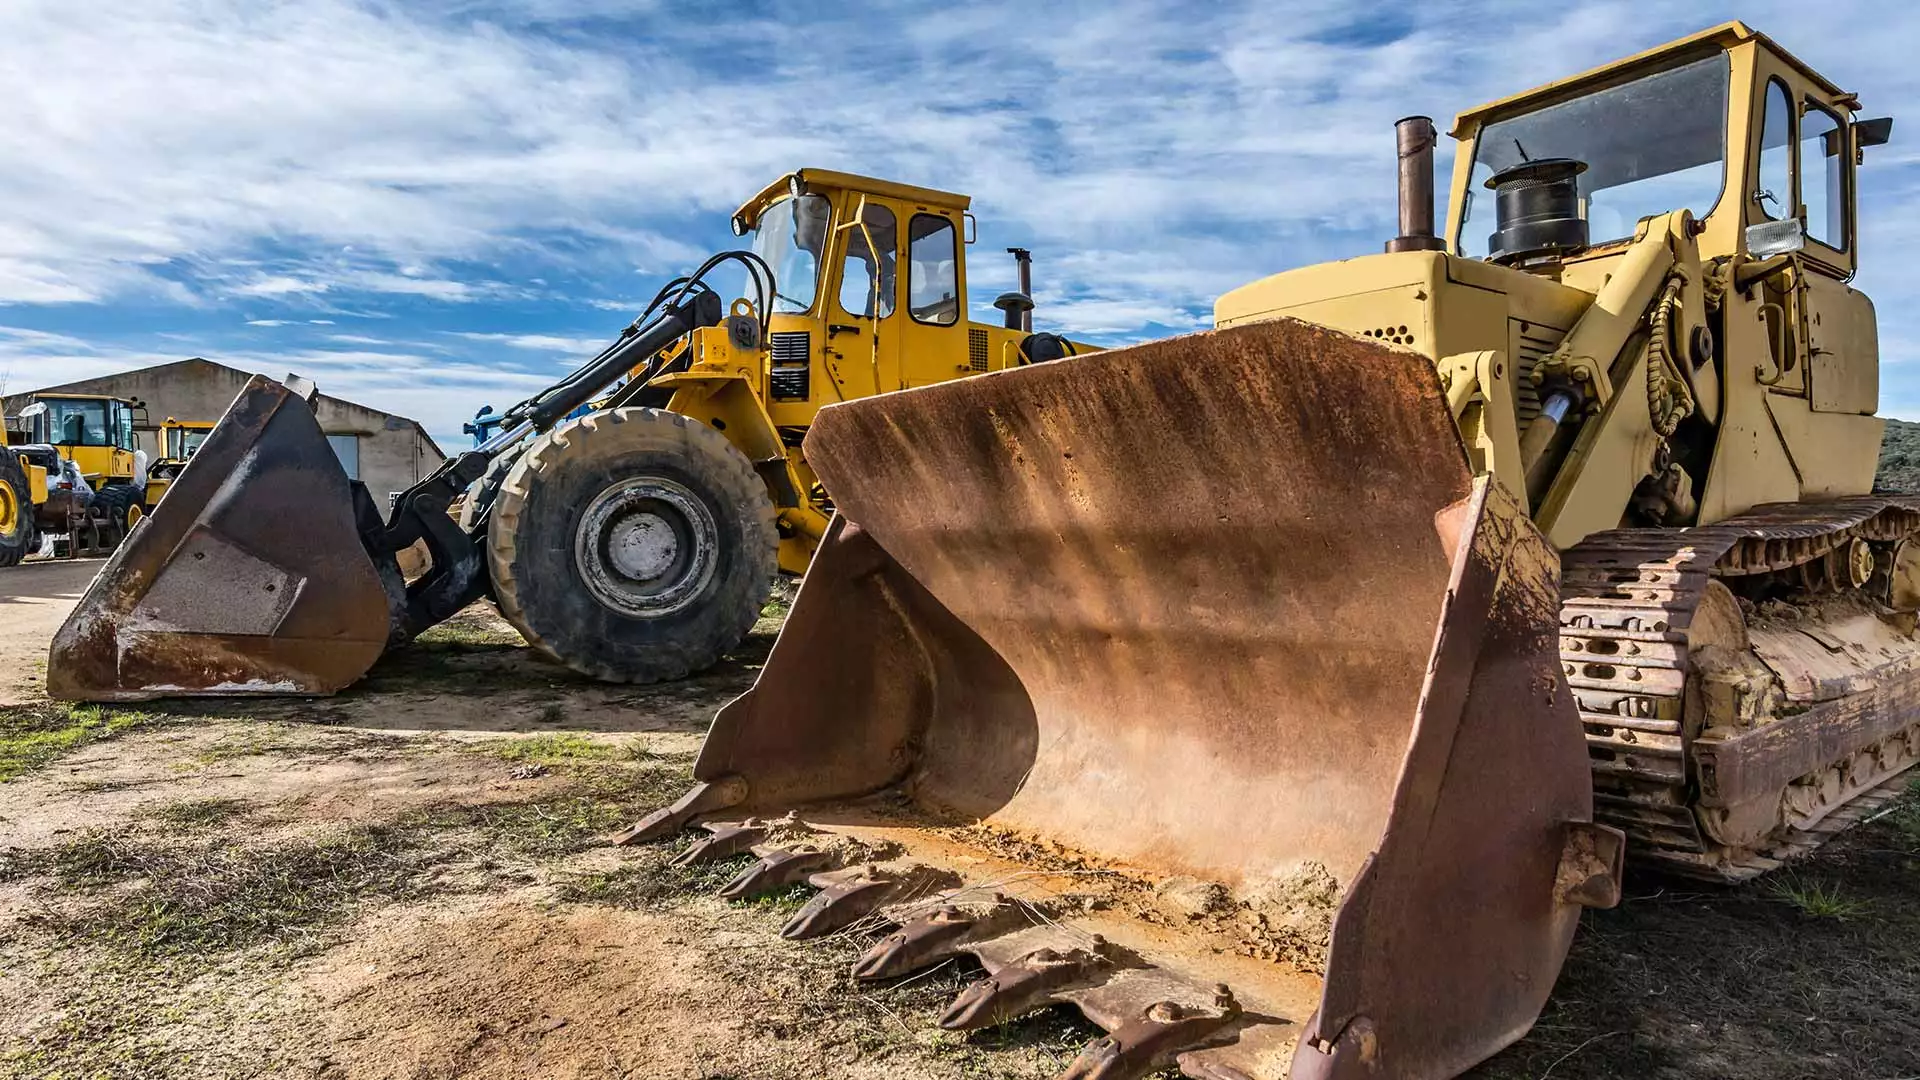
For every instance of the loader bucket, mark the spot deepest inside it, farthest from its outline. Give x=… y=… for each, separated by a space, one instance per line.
x=1195 y=646
x=248 y=578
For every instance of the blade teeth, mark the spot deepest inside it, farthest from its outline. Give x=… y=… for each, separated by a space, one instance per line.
x=928 y=939
x=840 y=906
x=1030 y=983
x=727 y=841
x=1163 y=1031
x=776 y=870
x=702 y=798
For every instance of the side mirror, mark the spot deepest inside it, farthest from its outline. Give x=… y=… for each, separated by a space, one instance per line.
x=1874 y=132
x=1771 y=238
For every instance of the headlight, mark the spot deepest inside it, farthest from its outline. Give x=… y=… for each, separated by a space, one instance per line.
x=739 y=225
x=797 y=186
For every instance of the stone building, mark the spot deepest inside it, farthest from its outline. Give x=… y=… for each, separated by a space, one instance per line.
x=388 y=452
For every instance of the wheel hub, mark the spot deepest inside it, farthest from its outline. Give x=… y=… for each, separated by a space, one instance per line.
x=647 y=547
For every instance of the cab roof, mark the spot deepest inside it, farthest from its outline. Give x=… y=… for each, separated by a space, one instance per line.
x=828 y=178
x=1722 y=37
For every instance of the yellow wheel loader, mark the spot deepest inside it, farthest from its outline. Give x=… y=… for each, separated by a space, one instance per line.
x=633 y=543
x=1278 y=695
x=179 y=441
x=84 y=449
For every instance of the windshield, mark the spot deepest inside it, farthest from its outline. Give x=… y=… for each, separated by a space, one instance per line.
x=78 y=423
x=182 y=442
x=1651 y=146
x=789 y=236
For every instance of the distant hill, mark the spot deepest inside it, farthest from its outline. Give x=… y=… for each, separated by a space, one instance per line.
x=1900 y=458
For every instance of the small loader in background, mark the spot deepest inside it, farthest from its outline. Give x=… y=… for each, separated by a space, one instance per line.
x=634 y=543
x=71 y=474
x=179 y=441
x=1277 y=695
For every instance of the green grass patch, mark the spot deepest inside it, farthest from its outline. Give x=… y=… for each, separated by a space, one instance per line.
x=33 y=735
x=1814 y=898
x=1904 y=816
x=471 y=632
x=151 y=898
x=601 y=799
x=560 y=748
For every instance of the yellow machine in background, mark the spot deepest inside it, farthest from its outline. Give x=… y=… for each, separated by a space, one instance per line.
x=82 y=446
x=633 y=543
x=1278 y=695
x=179 y=441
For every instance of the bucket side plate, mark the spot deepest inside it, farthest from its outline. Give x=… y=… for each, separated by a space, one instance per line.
x=248 y=578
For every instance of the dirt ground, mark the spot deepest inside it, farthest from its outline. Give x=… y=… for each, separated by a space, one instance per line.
x=34 y=597
x=410 y=880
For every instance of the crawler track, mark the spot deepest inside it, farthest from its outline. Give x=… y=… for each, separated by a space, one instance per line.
x=1629 y=600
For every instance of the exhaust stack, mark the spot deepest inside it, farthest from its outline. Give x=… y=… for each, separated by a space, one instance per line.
x=1018 y=304
x=1415 y=136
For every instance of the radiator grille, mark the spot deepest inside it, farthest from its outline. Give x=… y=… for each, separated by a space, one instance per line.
x=791 y=348
x=1531 y=344
x=790 y=379
x=977 y=349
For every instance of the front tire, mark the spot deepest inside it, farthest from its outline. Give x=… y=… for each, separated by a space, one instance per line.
x=16 y=511
x=633 y=545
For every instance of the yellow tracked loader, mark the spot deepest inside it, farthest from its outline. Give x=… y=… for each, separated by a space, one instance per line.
x=1277 y=695
x=634 y=543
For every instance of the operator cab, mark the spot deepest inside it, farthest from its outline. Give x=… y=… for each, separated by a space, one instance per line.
x=80 y=421
x=1725 y=124
x=871 y=293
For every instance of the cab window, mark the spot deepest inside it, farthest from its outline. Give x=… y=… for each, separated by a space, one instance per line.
x=867 y=272
x=1823 y=177
x=123 y=427
x=1773 y=195
x=933 y=285
x=78 y=423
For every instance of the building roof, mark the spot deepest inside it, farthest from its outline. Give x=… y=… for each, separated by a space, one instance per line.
x=96 y=384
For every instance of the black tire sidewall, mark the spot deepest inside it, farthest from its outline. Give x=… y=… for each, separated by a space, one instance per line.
x=554 y=486
x=112 y=502
x=17 y=544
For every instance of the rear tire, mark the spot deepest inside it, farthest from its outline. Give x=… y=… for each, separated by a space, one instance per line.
x=16 y=511
x=480 y=494
x=633 y=545
x=119 y=505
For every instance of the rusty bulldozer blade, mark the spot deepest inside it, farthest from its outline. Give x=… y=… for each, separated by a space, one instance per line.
x=1228 y=608
x=248 y=578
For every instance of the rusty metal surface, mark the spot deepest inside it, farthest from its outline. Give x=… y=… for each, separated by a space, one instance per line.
x=248 y=578
x=1230 y=607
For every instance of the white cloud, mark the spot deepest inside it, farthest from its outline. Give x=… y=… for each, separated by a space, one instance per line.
x=316 y=156
x=279 y=286
x=550 y=343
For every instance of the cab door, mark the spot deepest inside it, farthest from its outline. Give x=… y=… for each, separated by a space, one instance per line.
x=861 y=350
x=934 y=333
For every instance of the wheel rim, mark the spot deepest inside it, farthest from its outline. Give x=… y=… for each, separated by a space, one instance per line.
x=646 y=547
x=9 y=510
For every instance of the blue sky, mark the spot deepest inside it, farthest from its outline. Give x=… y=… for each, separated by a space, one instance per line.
x=435 y=205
